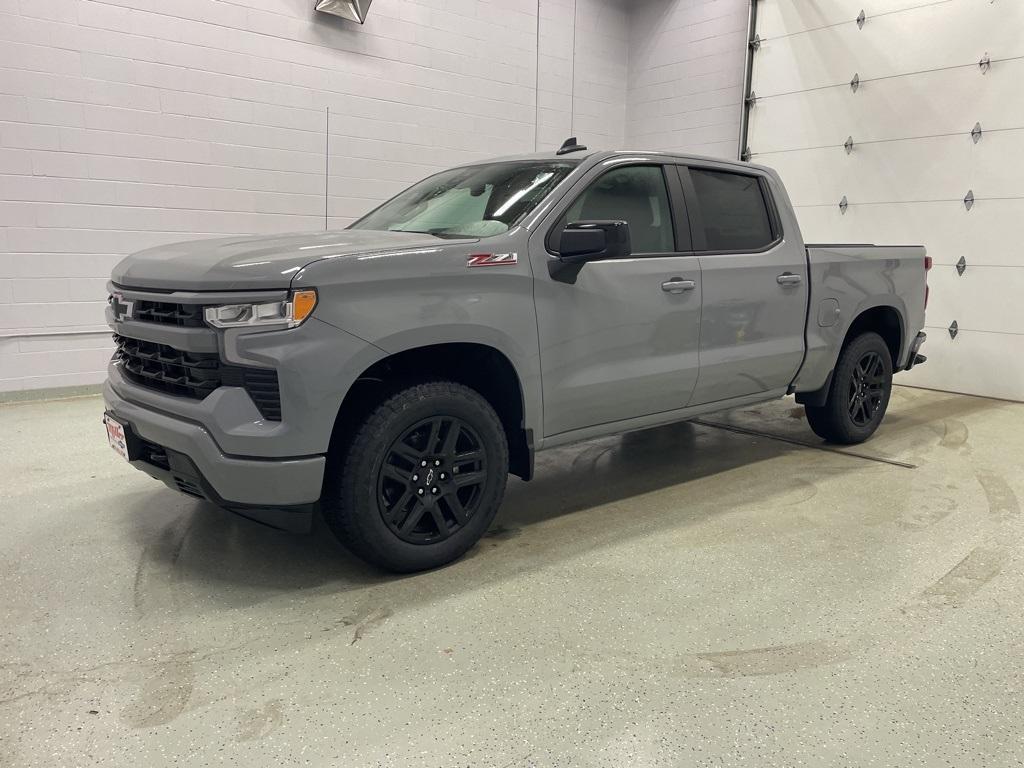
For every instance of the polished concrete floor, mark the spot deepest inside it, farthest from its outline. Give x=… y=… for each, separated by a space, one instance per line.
x=694 y=595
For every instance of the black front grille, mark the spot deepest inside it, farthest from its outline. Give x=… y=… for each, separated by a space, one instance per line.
x=195 y=374
x=166 y=313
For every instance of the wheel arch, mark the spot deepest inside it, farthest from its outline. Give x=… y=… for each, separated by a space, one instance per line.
x=884 y=319
x=480 y=366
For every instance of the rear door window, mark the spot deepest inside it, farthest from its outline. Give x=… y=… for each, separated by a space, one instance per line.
x=733 y=211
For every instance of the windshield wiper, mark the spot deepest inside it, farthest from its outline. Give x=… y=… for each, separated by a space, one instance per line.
x=435 y=232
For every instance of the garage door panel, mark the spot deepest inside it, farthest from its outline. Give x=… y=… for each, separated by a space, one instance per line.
x=824 y=224
x=908 y=171
x=982 y=299
x=914 y=224
x=991 y=235
x=975 y=362
x=890 y=172
x=958 y=33
x=928 y=104
x=946 y=229
x=782 y=18
x=809 y=183
x=994 y=172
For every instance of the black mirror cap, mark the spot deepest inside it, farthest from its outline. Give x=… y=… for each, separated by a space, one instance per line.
x=583 y=241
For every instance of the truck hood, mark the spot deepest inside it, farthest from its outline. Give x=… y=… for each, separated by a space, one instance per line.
x=248 y=263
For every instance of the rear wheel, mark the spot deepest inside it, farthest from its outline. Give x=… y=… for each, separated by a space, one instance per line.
x=859 y=392
x=422 y=478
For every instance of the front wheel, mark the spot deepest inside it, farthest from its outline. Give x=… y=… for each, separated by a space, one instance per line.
x=859 y=392
x=422 y=478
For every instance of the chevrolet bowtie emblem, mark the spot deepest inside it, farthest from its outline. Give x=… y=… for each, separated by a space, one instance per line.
x=122 y=309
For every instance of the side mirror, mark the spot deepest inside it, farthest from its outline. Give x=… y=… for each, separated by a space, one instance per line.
x=583 y=241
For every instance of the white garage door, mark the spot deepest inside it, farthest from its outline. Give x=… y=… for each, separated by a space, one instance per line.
x=919 y=93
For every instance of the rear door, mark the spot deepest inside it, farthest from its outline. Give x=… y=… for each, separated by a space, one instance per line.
x=755 y=285
x=621 y=340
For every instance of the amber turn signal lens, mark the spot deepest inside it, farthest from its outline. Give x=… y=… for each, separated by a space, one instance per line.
x=303 y=303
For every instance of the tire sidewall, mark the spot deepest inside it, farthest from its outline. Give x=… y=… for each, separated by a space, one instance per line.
x=359 y=482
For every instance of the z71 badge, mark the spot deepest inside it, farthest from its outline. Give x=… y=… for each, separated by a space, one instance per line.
x=492 y=260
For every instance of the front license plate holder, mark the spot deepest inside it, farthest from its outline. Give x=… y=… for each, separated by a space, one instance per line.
x=117 y=436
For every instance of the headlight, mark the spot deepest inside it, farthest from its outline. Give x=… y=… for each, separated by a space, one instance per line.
x=288 y=313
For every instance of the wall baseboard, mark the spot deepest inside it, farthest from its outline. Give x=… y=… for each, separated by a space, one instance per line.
x=54 y=393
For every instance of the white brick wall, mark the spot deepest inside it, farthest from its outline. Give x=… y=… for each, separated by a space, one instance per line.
x=685 y=85
x=130 y=123
x=587 y=99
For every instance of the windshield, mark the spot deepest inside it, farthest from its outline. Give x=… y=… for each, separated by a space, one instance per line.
x=475 y=201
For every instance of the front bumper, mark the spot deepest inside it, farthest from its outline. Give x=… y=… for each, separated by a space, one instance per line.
x=221 y=446
x=278 y=491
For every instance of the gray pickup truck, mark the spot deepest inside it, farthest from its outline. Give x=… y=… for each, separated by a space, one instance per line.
x=393 y=373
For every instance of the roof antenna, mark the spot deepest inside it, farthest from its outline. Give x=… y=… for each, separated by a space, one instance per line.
x=570 y=145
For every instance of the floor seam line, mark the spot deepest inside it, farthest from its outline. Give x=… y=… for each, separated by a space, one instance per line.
x=792 y=441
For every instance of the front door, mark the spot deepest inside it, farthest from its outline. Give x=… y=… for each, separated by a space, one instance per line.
x=754 y=286
x=621 y=341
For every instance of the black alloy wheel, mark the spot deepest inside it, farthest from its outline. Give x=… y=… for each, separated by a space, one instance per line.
x=867 y=388
x=431 y=481
x=858 y=394
x=419 y=480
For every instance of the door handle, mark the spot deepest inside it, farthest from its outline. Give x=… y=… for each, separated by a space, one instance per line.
x=678 y=285
x=788 y=278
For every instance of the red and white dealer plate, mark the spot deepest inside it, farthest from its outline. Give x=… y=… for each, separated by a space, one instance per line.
x=115 y=436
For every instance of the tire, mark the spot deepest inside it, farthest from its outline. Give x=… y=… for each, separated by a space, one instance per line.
x=858 y=395
x=421 y=480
